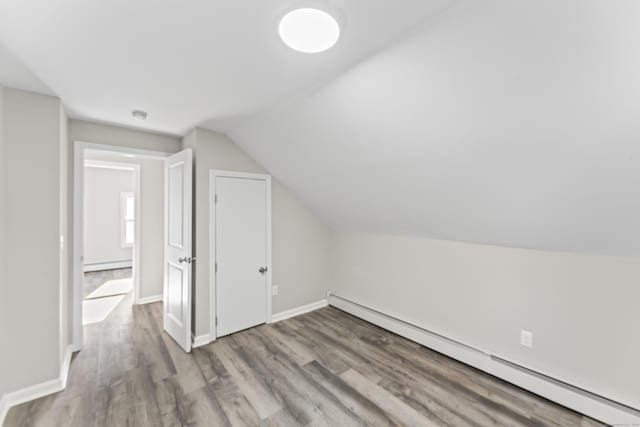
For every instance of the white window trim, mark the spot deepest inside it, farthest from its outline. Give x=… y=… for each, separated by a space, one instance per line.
x=123 y=219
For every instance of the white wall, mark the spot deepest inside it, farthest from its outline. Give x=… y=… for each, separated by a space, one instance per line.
x=102 y=214
x=582 y=309
x=33 y=126
x=151 y=219
x=4 y=294
x=300 y=240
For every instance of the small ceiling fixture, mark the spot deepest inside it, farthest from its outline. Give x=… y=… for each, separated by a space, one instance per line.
x=139 y=114
x=309 y=30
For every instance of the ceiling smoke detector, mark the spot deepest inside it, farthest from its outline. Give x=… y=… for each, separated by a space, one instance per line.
x=139 y=114
x=309 y=30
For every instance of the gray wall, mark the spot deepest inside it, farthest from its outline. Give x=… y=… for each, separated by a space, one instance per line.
x=65 y=255
x=582 y=309
x=102 y=214
x=300 y=240
x=33 y=126
x=83 y=131
x=151 y=228
x=4 y=295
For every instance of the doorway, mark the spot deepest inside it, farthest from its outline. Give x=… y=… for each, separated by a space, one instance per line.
x=111 y=219
x=240 y=225
x=140 y=230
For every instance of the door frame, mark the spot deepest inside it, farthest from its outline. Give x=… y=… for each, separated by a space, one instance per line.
x=79 y=150
x=213 y=308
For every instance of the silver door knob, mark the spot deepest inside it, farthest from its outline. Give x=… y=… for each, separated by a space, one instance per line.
x=263 y=270
x=186 y=259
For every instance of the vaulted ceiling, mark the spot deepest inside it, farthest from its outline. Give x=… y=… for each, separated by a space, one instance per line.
x=509 y=122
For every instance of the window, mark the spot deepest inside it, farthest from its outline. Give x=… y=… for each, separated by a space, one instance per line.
x=127 y=219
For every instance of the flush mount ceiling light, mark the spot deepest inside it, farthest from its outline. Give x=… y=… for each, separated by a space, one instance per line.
x=139 y=114
x=309 y=30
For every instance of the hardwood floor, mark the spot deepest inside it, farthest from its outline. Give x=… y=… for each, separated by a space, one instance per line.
x=94 y=279
x=324 y=368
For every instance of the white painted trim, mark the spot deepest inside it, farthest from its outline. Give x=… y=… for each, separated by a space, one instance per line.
x=149 y=300
x=79 y=149
x=201 y=340
x=124 y=195
x=102 y=164
x=543 y=385
x=36 y=391
x=213 y=173
x=107 y=266
x=287 y=314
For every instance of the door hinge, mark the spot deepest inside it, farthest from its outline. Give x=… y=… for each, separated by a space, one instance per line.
x=216 y=268
x=216 y=320
x=215 y=198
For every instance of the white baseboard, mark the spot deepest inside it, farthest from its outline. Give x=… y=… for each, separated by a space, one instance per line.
x=106 y=266
x=149 y=300
x=201 y=340
x=556 y=390
x=26 y=394
x=298 y=311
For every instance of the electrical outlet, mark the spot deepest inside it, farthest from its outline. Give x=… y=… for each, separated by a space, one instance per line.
x=274 y=290
x=526 y=338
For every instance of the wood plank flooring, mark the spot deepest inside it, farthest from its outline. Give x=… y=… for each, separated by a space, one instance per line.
x=324 y=368
x=94 y=279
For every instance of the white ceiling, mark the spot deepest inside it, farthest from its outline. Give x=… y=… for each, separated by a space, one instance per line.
x=13 y=73
x=509 y=122
x=188 y=63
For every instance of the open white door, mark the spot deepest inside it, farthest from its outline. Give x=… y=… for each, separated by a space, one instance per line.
x=177 y=256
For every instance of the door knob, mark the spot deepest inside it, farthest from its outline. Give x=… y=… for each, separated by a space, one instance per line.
x=263 y=270
x=186 y=259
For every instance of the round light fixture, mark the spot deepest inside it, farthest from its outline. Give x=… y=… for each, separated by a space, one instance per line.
x=309 y=30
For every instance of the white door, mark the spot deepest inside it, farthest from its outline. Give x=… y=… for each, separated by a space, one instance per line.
x=241 y=221
x=177 y=262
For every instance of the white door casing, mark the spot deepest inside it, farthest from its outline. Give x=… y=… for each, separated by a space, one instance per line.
x=242 y=241
x=178 y=246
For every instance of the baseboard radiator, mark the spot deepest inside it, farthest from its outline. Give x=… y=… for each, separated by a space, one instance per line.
x=573 y=397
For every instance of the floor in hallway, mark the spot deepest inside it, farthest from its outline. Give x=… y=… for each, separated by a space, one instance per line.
x=94 y=279
x=325 y=368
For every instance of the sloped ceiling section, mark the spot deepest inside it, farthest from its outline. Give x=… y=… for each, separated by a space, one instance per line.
x=13 y=73
x=507 y=122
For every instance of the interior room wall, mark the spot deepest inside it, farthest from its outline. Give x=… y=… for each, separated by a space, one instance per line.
x=32 y=130
x=4 y=320
x=152 y=228
x=151 y=222
x=102 y=214
x=300 y=240
x=65 y=282
x=582 y=309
